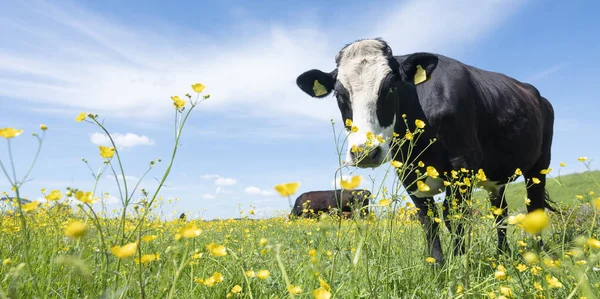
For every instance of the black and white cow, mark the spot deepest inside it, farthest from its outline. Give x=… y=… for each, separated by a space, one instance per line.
x=480 y=120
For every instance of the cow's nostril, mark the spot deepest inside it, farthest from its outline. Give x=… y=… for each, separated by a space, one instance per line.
x=374 y=153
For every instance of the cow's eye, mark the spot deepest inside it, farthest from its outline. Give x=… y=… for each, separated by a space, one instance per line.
x=392 y=90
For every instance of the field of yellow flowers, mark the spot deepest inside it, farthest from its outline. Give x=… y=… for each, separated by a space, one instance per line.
x=63 y=248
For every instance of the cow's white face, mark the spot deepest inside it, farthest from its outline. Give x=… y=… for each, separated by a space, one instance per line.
x=365 y=83
x=369 y=84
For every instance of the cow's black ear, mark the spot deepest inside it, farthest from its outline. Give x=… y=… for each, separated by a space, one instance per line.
x=316 y=83
x=418 y=67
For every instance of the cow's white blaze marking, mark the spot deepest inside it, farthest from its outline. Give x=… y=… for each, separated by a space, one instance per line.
x=362 y=69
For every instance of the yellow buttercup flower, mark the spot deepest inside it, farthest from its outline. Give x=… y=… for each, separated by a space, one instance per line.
x=348 y=122
x=149 y=238
x=396 y=164
x=6 y=262
x=287 y=189
x=31 y=206
x=236 y=289
x=198 y=87
x=147 y=258
x=352 y=183
x=506 y=291
x=294 y=289
x=321 y=293
x=582 y=159
x=385 y=202
x=80 y=117
x=420 y=124
x=106 y=152
x=562 y=164
x=43 y=127
x=530 y=257
x=481 y=175
x=370 y=135
x=250 y=273
x=553 y=282
x=216 y=250
x=190 y=231
x=518 y=172
x=263 y=274
x=545 y=171
x=596 y=203
x=593 y=243
x=422 y=186
x=535 y=221
x=10 y=132
x=124 y=251
x=536 y=180
x=500 y=273
x=408 y=136
x=76 y=229
x=85 y=197
x=178 y=102
x=54 y=195
x=432 y=172
x=430 y=260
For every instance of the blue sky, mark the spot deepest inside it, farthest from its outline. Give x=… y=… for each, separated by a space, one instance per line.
x=123 y=60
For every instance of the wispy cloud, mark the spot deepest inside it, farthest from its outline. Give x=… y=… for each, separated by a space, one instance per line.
x=225 y=181
x=121 y=140
x=257 y=191
x=107 y=67
x=209 y=176
x=547 y=72
x=208 y=196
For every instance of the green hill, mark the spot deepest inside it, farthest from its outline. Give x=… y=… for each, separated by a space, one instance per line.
x=562 y=189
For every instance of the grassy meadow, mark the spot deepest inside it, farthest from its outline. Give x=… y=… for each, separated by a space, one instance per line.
x=66 y=248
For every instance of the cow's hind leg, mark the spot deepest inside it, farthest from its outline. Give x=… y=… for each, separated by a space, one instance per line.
x=534 y=177
x=498 y=200
x=427 y=206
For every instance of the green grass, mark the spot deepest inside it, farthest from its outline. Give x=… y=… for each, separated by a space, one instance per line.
x=563 y=189
x=51 y=250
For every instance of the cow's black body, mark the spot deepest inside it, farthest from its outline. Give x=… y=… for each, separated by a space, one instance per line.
x=479 y=119
x=325 y=201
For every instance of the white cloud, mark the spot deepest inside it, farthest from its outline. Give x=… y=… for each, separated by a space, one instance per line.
x=107 y=67
x=257 y=191
x=209 y=176
x=111 y=200
x=446 y=25
x=208 y=196
x=547 y=72
x=122 y=141
x=225 y=181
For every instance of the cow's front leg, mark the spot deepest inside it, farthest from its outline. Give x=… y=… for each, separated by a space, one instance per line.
x=426 y=206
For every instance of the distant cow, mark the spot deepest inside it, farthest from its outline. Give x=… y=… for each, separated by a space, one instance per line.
x=479 y=120
x=311 y=203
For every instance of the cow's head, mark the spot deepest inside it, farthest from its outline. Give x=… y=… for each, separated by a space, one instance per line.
x=369 y=84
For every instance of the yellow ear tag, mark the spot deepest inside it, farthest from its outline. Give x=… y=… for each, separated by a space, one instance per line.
x=319 y=89
x=420 y=75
